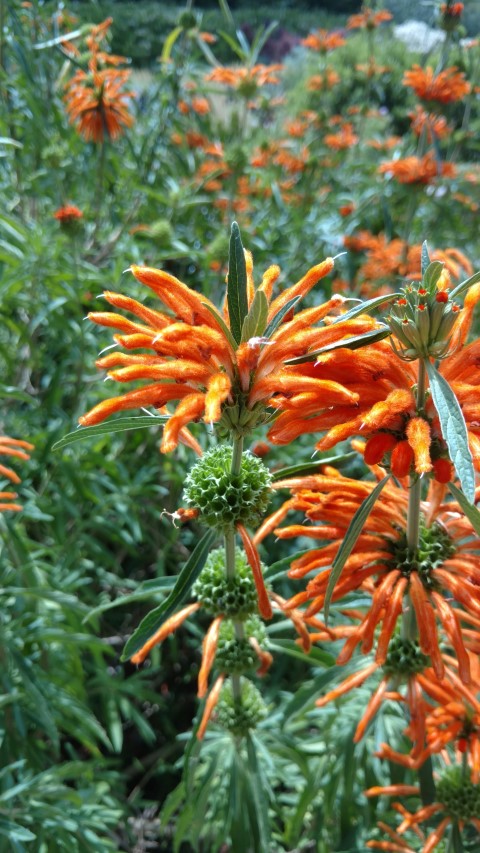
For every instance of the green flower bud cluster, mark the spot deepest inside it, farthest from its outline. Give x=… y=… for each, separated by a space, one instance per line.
x=241 y=715
x=434 y=546
x=236 y=655
x=239 y=420
x=422 y=319
x=404 y=658
x=459 y=796
x=225 y=499
x=226 y=596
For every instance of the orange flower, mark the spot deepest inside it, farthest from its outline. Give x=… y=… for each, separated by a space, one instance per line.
x=382 y=566
x=195 y=359
x=246 y=81
x=326 y=80
x=97 y=104
x=429 y=124
x=345 y=138
x=418 y=170
x=15 y=448
x=368 y=19
x=68 y=214
x=445 y=87
x=323 y=40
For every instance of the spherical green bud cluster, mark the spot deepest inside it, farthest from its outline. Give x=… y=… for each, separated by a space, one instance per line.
x=435 y=546
x=404 y=658
x=225 y=499
x=227 y=596
x=187 y=20
x=239 y=716
x=236 y=655
x=459 y=796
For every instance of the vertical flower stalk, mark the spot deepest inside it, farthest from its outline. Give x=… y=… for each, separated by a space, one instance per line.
x=230 y=568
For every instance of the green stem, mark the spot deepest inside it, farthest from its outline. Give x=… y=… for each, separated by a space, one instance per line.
x=230 y=570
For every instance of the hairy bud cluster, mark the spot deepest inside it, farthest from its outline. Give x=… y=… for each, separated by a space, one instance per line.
x=435 y=546
x=422 y=318
x=459 y=796
x=404 y=658
x=236 y=655
x=239 y=717
x=225 y=499
x=227 y=596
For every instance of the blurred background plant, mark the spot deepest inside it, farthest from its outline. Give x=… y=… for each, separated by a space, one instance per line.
x=91 y=748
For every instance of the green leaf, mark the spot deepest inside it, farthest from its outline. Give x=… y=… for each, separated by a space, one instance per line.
x=315 y=656
x=304 y=468
x=275 y=321
x=366 y=307
x=425 y=258
x=222 y=325
x=355 y=342
x=15 y=832
x=256 y=319
x=312 y=690
x=259 y=798
x=432 y=274
x=119 y=425
x=454 y=429
x=354 y=530
x=187 y=577
x=469 y=509
x=58 y=40
x=236 y=284
x=169 y=42
x=456 y=843
x=465 y=285
x=146 y=590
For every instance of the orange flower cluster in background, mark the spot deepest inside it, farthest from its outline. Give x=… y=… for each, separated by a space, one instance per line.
x=418 y=170
x=368 y=19
x=324 y=41
x=446 y=86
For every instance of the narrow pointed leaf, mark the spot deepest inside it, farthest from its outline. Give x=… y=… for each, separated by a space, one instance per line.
x=187 y=577
x=236 y=284
x=169 y=42
x=275 y=321
x=222 y=325
x=304 y=468
x=119 y=425
x=425 y=258
x=58 y=40
x=256 y=319
x=366 y=307
x=259 y=797
x=355 y=342
x=465 y=285
x=143 y=593
x=454 y=430
x=432 y=273
x=354 y=530
x=469 y=509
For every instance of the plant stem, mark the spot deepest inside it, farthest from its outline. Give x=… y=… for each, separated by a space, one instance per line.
x=230 y=570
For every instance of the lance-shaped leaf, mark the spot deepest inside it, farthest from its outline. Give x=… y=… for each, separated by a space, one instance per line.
x=119 y=425
x=465 y=285
x=236 y=284
x=256 y=319
x=454 y=429
x=187 y=577
x=354 y=530
x=304 y=468
x=432 y=274
x=469 y=509
x=275 y=321
x=355 y=342
x=425 y=258
x=366 y=307
x=169 y=42
x=221 y=324
x=145 y=591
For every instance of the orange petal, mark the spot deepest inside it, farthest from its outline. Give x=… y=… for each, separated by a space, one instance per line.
x=209 y=649
x=167 y=628
x=251 y=552
x=212 y=700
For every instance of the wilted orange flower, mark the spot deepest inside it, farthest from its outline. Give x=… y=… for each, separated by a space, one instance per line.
x=386 y=259
x=195 y=359
x=445 y=87
x=429 y=124
x=15 y=448
x=323 y=40
x=372 y=69
x=368 y=19
x=441 y=585
x=68 y=214
x=418 y=170
x=344 y=138
x=384 y=144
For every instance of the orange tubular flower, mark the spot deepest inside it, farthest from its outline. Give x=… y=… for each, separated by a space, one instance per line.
x=417 y=170
x=97 y=105
x=246 y=81
x=429 y=124
x=323 y=41
x=68 y=214
x=380 y=565
x=194 y=358
x=368 y=19
x=15 y=448
x=445 y=87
